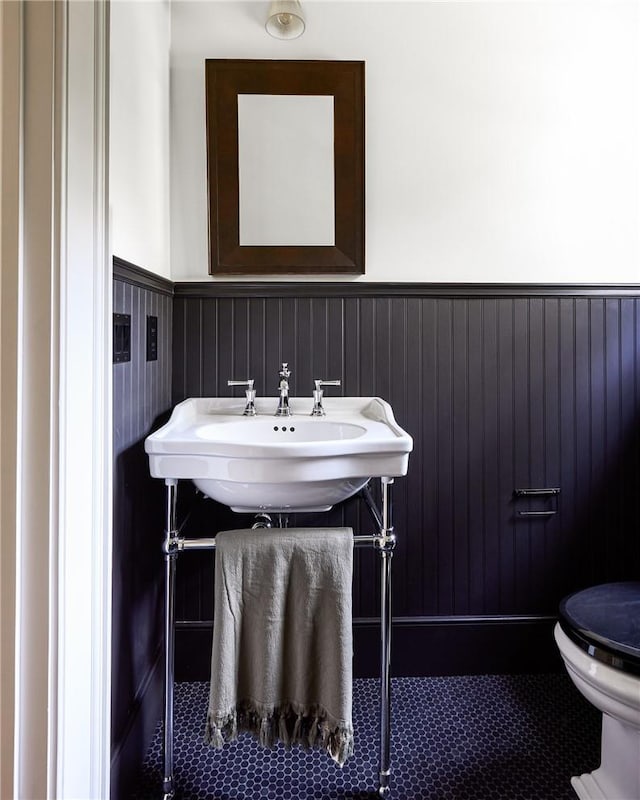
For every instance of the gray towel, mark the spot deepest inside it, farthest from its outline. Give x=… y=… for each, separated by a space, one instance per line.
x=281 y=665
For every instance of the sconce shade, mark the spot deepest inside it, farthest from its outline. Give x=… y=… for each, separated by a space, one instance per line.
x=285 y=20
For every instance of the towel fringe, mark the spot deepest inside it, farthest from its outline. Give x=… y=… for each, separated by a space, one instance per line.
x=312 y=727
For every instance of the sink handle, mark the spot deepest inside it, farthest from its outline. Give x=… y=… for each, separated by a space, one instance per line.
x=320 y=383
x=318 y=410
x=250 y=394
x=249 y=382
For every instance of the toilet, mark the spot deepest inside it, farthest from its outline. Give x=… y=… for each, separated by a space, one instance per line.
x=598 y=635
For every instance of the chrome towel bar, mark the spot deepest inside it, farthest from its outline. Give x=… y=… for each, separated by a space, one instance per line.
x=547 y=492
x=209 y=542
x=551 y=492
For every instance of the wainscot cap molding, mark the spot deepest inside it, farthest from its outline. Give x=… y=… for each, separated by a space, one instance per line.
x=258 y=289
x=130 y=273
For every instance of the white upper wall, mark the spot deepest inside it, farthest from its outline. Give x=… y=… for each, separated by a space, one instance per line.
x=139 y=133
x=502 y=138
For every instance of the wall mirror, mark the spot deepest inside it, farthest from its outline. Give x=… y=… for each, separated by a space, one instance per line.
x=285 y=149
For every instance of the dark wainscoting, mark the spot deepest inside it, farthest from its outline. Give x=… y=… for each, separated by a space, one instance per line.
x=502 y=387
x=141 y=395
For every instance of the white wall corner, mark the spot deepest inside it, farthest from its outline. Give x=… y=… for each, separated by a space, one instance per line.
x=140 y=37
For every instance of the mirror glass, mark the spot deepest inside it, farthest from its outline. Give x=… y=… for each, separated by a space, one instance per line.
x=286 y=170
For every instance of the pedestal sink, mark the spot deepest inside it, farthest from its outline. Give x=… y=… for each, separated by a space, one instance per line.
x=280 y=464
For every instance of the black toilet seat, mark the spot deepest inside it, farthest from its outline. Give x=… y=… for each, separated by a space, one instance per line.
x=604 y=621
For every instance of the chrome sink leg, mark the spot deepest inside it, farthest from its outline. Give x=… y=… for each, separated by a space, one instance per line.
x=170 y=548
x=387 y=543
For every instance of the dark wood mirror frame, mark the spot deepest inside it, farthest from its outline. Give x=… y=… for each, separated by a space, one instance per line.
x=344 y=80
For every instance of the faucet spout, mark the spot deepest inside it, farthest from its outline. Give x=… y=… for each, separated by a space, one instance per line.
x=283 y=409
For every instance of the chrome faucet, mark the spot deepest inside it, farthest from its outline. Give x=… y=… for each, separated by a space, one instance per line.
x=283 y=409
x=250 y=394
x=318 y=410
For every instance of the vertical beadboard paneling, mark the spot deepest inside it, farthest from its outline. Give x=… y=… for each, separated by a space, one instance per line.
x=224 y=345
x=424 y=474
x=597 y=383
x=255 y=353
x=583 y=449
x=505 y=405
x=352 y=346
x=498 y=392
x=141 y=395
x=194 y=360
x=461 y=447
x=534 y=564
x=443 y=468
x=367 y=353
x=552 y=455
x=522 y=529
x=612 y=421
x=335 y=366
x=306 y=342
x=569 y=505
x=240 y=350
x=487 y=556
x=629 y=446
x=414 y=495
x=179 y=388
x=476 y=466
x=287 y=317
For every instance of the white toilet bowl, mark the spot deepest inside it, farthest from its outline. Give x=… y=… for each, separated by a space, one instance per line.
x=599 y=639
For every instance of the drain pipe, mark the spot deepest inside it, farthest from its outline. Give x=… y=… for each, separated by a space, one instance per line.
x=262 y=521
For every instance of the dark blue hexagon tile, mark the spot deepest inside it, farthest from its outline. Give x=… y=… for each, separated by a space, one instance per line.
x=489 y=737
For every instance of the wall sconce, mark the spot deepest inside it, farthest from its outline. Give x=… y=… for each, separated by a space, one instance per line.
x=285 y=20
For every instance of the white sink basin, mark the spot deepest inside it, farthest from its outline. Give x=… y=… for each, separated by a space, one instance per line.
x=280 y=464
x=267 y=431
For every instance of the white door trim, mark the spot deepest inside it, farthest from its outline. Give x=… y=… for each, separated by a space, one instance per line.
x=85 y=455
x=56 y=618
x=10 y=199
